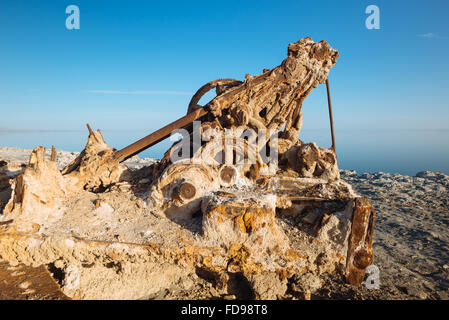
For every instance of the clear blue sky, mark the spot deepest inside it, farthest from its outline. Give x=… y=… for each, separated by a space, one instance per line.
x=395 y=77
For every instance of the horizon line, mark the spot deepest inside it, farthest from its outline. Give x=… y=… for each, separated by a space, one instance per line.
x=144 y=92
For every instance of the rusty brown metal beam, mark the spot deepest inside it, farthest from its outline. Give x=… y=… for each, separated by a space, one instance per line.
x=360 y=246
x=158 y=135
x=330 y=115
x=89 y=128
x=91 y=133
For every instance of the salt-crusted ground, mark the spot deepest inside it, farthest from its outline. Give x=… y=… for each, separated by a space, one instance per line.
x=411 y=240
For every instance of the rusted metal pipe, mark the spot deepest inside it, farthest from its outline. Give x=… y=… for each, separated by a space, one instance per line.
x=330 y=115
x=158 y=135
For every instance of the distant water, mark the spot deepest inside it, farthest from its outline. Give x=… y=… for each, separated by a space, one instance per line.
x=405 y=152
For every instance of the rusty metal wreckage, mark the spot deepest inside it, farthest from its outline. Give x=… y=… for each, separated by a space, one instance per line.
x=306 y=176
x=360 y=244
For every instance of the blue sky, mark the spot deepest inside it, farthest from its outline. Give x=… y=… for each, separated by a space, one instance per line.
x=158 y=53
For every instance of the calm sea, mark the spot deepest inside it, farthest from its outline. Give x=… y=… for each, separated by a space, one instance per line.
x=406 y=152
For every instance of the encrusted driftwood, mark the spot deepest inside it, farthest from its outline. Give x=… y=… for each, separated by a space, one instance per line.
x=95 y=168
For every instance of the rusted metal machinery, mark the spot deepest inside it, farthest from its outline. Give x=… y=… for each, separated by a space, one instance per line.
x=304 y=174
x=270 y=204
x=270 y=102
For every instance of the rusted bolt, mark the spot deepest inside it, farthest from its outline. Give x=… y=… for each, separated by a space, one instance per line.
x=228 y=175
x=187 y=190
x=184 y=192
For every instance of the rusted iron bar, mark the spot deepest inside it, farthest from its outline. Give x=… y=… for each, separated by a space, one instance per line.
x=330 y=115
x=89 y=128
x=91 y=132
x=53 y=154
x=158 y=135
x=208 y=86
